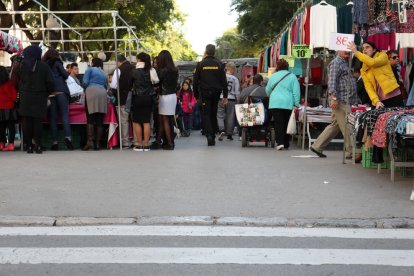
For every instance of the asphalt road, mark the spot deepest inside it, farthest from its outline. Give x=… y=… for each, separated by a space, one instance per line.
x=196 y=180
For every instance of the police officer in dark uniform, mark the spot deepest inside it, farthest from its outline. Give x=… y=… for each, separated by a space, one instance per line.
x=209 y=82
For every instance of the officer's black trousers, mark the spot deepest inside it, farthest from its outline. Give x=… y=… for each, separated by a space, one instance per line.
x=209 y=112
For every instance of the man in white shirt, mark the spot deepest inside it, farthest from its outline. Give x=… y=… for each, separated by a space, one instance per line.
x=74 y=85
x=74 y=72
x=225 y=114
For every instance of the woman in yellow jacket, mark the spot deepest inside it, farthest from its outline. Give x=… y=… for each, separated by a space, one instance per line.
x=376 y=72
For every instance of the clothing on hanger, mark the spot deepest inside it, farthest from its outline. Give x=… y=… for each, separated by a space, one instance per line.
x=323 y=22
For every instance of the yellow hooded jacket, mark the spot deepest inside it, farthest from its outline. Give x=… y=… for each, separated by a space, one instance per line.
x=377 y=69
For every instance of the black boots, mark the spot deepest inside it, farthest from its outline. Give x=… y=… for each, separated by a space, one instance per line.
x=34 y=148
x=90 y=133
x=211 y=140
x=69 y=144
x=99 y=134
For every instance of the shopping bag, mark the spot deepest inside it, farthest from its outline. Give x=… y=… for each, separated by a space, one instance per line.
x=250 y=114
x=291 y=128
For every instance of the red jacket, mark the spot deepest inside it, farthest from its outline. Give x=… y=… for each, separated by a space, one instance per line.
x=8 y=95
x=187 y=100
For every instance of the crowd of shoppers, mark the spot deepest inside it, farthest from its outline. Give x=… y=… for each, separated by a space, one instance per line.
x=149 y=95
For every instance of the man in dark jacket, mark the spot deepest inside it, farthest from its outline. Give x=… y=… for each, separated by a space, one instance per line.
x=256 y=90
x=124 y=71
x=362 y=93
x=209 y=82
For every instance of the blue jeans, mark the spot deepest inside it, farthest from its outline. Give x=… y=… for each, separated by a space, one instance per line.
x=59 y=102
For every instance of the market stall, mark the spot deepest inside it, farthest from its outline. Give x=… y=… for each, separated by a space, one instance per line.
x=388 y=24
x=77 y=116
x=117 y=23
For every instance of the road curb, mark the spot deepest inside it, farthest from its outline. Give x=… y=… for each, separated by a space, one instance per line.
x=26 y=221
x=210 y=221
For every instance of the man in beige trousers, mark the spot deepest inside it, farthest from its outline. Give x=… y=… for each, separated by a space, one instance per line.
x=342 y=90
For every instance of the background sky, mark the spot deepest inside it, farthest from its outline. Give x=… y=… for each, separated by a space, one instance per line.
x=206 y=21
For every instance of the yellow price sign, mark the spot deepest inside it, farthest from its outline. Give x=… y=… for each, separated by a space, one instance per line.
x=301 y=51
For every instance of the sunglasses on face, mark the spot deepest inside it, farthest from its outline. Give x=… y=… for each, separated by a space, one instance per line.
x=395 y=57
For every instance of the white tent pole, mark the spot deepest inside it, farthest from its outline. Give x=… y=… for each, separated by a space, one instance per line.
x=114 y=15
x=306 y=103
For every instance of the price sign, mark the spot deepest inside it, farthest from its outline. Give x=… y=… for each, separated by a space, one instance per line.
x=301 y=51
x=339 y=42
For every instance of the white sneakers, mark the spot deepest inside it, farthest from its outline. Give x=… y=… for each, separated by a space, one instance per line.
x=280 y=147
x=222 y=134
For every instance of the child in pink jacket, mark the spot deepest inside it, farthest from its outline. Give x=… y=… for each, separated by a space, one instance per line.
x=188 y=102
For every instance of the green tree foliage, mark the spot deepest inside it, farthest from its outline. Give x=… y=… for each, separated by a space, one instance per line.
x=152 y=19
x=172 y=39
x=261 y=20
x=234 y=45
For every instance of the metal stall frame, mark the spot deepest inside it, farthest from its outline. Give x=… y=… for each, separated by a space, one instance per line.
x=115 y=27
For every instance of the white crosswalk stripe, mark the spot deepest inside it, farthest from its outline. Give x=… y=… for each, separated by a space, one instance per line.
x=210 y=231
x=40 y=254
x=114 y=255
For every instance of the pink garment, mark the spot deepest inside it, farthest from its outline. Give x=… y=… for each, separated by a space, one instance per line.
x=379 y=135
x=279 y=42
x=77 y=116
x=274 y=58
x=306 y=29
x=188 y=100
x=396 y=92
x=246 y=71
x=272 y=53
x=384 y=42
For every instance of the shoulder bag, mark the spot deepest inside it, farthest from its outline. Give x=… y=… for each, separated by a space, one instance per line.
x=276 y=84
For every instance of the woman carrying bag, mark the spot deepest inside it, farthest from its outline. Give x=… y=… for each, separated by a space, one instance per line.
x=283 y=90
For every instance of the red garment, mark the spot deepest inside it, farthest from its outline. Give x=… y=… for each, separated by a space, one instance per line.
x=294 y=33
x=409 y=26
x=307 y=26
x=8 y=95
x=379 y=135
x=384 y=42
x=187 y=100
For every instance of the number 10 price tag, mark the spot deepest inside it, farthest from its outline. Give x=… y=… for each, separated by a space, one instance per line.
x=301 y=51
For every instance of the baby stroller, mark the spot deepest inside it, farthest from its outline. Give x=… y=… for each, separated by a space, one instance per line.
x=259 y=130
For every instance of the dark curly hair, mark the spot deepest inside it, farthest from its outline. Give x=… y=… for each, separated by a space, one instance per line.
x=97 y=62
x=282 y=65
x=4 y=75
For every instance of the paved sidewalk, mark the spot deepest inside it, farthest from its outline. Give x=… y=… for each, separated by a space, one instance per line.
x=196 y=180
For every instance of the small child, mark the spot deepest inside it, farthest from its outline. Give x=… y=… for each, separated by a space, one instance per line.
x=8 y=114
x=188 y=102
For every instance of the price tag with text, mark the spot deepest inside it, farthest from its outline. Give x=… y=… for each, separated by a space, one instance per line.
x=301 y=51
x=339 y=42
